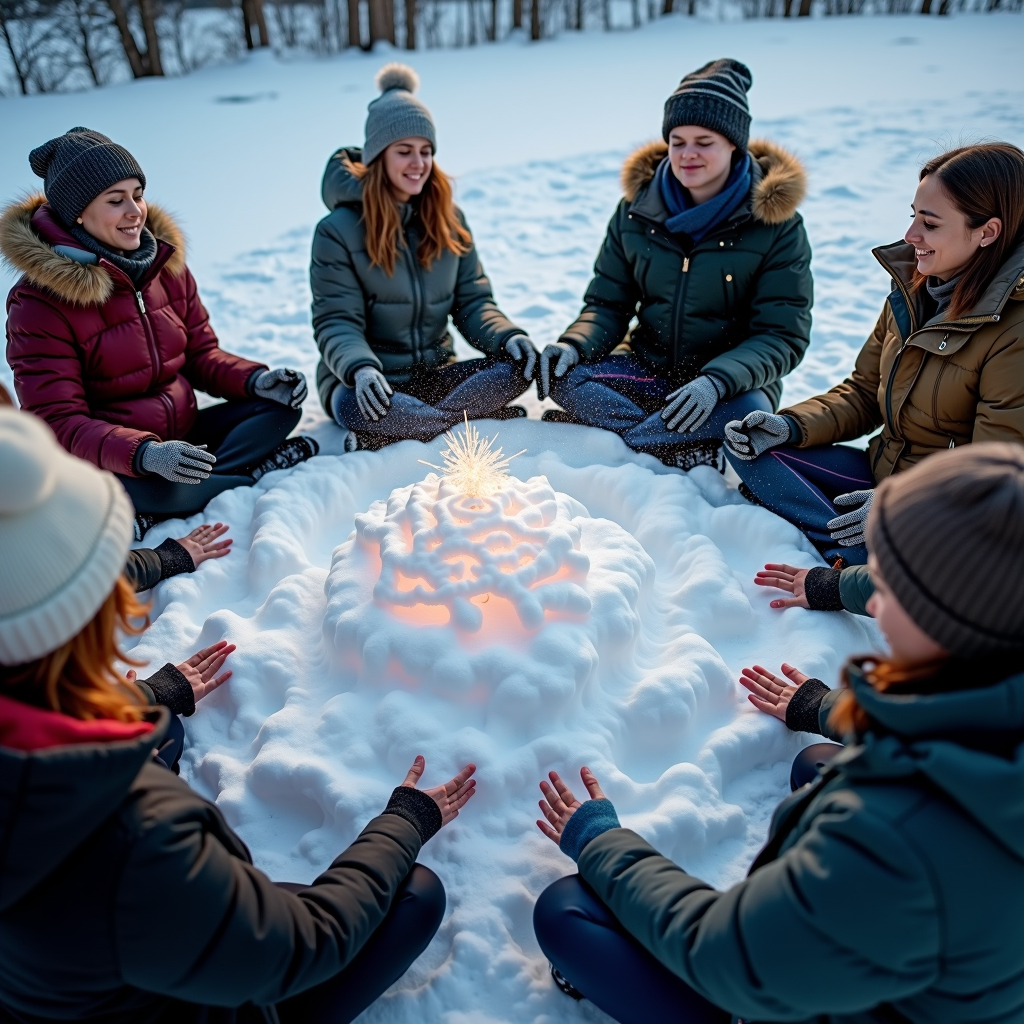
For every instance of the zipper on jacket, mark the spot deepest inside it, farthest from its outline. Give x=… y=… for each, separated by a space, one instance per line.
x=680 y=303
x=139 y=300
x=686 y=264
x=417 y=297
x=147 y=327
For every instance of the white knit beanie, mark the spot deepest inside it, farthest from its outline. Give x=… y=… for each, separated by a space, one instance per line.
x=65 y=529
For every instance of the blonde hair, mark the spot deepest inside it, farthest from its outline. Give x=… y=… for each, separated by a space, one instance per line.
x=442 y=231
x=80 y=678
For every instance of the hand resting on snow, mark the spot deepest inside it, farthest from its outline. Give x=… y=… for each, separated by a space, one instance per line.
x=201 y=670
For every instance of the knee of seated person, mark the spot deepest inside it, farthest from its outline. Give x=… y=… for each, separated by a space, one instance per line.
x=426 y=891
x=551 y=908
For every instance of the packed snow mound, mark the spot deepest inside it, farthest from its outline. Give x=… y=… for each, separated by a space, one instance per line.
x=375 y=620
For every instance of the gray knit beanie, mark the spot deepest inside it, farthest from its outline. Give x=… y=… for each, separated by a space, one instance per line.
x=713 y=97
x=396 y=113
x=948 y=535
x=77 y=166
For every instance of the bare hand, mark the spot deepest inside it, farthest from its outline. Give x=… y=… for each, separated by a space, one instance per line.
x=785 y=577
x=202 y=668
x=452 y=796
x=203 y=543
x=559 y=805
x=768 y=692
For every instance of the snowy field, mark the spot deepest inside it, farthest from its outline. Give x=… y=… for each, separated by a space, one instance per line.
x=650 y=612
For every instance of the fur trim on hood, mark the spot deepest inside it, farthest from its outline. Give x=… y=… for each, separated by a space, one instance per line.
x=79 y=284
x=776 y=196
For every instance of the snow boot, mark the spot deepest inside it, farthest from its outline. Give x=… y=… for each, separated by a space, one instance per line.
x=690 y=454
x=564 y=984
x=288 y=453
x=143 y=523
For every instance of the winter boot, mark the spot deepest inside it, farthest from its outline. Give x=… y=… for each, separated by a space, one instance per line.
x=690 y=454
x=564 y=984
x=143 y=523
x=288 y=453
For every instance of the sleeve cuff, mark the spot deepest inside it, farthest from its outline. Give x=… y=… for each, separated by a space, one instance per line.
x=173 y=690
x=591 y=819
x=174 y=559
x=720 y=386
x=250 y=383
x=417 y=808
x=802 y=711
x=822 y=589
x=796 y=434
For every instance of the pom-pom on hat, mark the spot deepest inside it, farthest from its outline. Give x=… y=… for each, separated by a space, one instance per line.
x=715 y=97
x=77 y=166
x=396 y=113
x=948 y=535
x=65 y=529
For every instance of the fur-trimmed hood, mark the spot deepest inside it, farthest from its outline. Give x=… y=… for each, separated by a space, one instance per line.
x=776 y=195
x=79 y=284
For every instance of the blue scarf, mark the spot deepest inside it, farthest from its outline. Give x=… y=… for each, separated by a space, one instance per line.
x=697 y=221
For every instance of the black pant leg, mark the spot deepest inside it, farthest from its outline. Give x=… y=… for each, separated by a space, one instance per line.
x=169 y=752
x=241 y=433
x=159 y=497
x=411 y=923
x=810 y=761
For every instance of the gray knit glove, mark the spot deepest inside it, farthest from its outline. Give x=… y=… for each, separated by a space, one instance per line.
x=689 y=407
x=848 y=529
x=756 y=433
x=373 y=393
x=178 y=461
x=564 y=356
x=287 y=387
x=521 y=349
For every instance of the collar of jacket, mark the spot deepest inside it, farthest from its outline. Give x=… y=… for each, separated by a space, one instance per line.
x=778 y=187
x=944 y=337
x=30 y=235
x=54 y=794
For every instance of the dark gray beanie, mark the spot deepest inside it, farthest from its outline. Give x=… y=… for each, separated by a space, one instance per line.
x=714 y=97
x=948 y=535
x=396 y=113
x=77 y=166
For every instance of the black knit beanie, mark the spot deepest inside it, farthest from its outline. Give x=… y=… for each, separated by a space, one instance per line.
x=948 y=536
x=713 y=97
x=77 y=166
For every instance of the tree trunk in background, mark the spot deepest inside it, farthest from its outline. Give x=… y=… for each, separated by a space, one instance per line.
x=382 y=21
x=517 y=13
x=255 y=24
x=668 y=6
x=535 y=19
x=12 y=51
x=492 y=30
x=579 y=15
x=128 y=44
x=355 y=36
x=151 y=58
x=926 y=6
x=410 y=24
x=805 y=9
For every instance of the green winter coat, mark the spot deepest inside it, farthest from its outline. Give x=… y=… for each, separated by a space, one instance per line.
x=891 y=890
x=736 y=305
x=363 y=317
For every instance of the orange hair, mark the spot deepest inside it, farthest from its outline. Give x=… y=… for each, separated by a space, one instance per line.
x=80 y=678
x=442 y=231
x=848 y=717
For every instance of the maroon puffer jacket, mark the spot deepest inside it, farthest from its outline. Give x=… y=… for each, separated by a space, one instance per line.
x=107 y=366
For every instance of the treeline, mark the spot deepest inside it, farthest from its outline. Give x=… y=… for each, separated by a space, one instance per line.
x=50 y=45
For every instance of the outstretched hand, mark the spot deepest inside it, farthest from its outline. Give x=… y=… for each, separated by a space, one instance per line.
x=785 y=577
x=202 y=668
x=204 y=542
x=770 y=693
x=559 y=804
x=452 y=796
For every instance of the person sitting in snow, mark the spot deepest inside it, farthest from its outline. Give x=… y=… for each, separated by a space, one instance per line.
x=124 y=895
x=892 y=887
x=943 y=367
x=107 y=338
x=391 y=262
x=708 y=252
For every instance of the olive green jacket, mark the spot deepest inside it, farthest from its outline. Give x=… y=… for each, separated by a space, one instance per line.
x=891 y=890
x=929 y=383
x=363 y=317
x=736 y=305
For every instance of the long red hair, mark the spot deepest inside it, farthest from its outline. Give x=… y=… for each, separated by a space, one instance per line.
x=81 y=678
x=442 y=231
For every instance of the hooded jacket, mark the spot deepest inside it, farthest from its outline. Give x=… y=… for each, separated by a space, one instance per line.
x=363 y=317
x=891 y=890
x=106 y=362
x=737 y=305
x=929 y=383
x=125 y=898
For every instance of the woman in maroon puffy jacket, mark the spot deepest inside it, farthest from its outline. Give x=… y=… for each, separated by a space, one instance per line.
x=108 y=339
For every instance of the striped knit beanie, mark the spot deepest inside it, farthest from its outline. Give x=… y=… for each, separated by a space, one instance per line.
x=948 y=535
x=713 y=97
x=77 y=166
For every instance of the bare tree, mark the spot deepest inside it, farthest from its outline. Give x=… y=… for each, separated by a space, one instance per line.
x=87 y=28
x=143 y=63
x=410 y=24
x=254 y=24
x=382 y=21
x=27 y=32
x=535 y=19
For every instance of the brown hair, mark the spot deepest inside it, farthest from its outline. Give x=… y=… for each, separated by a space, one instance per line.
x=80 y=678
x=442 y=231
x=982 y=181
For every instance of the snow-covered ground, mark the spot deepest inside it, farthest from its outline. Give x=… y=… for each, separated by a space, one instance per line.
x=305 y=742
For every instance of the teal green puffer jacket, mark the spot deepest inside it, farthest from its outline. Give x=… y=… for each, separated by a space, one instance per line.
x=737 y=304
x=892 y=890
x=363 y=317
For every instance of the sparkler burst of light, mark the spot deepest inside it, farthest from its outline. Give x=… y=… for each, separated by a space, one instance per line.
x=471 y=465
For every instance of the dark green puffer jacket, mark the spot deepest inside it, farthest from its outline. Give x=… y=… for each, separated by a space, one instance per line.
x=362 y=317
x=736 y=305
x=891 y=890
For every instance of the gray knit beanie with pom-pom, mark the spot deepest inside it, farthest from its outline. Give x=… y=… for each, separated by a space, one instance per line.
x=396 y=113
